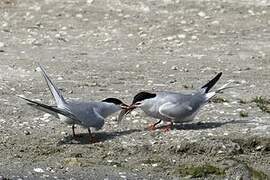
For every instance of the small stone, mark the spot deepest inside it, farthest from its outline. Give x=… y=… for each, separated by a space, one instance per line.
x=243 y=114
x=114 y=118
x=174 y=68
x=251 y=12
x=2 y=44
x=259 y=148
x=89 y=2
x=172 y=81
x=181 y=36
x=72 y=162
x=215 y=22
x=194 y=37
x=64 y=133
x=185 y=70
x=135 y=121
x=202 y=14
x=123 y=176
x=130 y=35
x=243 y=81
x=26 y=132
x=57 y=35
x=183 y=22
x=170 y=38
x=134 y=113
x=38 y=170
x=79 y=15
x=50 y=169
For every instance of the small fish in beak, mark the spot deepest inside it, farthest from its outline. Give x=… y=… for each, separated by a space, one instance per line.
x=125 y=111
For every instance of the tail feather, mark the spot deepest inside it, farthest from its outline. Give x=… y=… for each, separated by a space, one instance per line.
x=209 y=95
x=211 y=83
x=225 y=86
x=60 y=101
x=49 y=109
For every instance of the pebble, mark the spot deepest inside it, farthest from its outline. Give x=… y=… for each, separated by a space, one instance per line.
x=39 y=170
x=181 y=36
x=183 y=22
x=174 y=68
x=251 y=12
x=215 y=22
x=170 y=38
x=2 y=44
x=26 y=132
x=79 y=15
x=130 y=35
x=172 y=81
x=89 y=2
x=134 y=113
x=259 y=148
x=194 y=37
x=135 y=121
x=114 y=118
x=202 y=14
x=64 y=133
x=45 y=117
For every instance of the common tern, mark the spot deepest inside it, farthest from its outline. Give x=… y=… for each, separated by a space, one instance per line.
x=173 y=107
x=87 y=114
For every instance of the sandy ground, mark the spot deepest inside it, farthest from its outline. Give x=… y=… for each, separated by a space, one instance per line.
x=96 y=49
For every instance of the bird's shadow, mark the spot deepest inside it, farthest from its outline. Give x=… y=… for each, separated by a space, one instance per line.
x=84 y=138
x=203 y=125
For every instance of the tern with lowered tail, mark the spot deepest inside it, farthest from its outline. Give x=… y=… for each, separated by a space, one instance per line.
x=173 y=107
x=87 y=114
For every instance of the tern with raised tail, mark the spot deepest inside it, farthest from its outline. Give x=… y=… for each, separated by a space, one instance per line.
x=86 y=114
x=173 y=107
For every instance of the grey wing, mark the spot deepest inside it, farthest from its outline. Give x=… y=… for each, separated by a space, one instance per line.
x=87 y=113
x=99 y=120
x=175 y=110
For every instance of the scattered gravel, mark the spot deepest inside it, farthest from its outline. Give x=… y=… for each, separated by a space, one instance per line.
x=97 y=49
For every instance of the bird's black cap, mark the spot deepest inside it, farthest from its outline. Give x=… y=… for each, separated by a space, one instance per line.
x=113 y=100
x=142 y=96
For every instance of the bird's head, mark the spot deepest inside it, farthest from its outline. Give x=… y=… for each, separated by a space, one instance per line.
x=116 y=102
x=138 y=101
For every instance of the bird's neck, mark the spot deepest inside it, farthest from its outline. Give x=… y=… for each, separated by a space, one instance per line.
x=108 y=109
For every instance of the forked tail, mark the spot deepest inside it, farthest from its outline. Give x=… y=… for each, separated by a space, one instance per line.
x=60 y=101
x=209 y=95
x=53 y=110
x=211 y=83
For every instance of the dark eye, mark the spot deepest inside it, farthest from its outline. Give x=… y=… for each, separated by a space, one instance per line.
x=138 y=103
